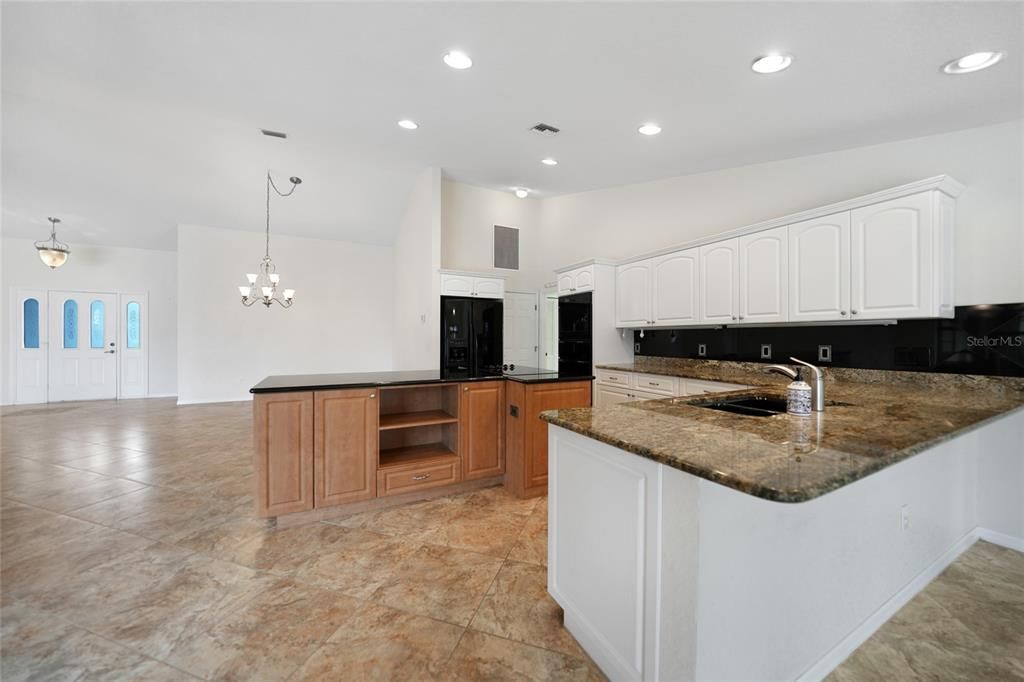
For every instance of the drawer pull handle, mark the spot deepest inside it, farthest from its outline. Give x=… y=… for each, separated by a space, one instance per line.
x=421 y=477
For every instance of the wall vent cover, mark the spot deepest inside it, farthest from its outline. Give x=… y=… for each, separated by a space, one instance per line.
x=506 y=247
x=545 y=129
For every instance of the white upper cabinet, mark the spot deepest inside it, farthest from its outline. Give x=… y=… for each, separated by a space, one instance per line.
x=891 y=265
x=719 y=282
x=819 y=269
x=576 y=281
x=458 y=284
x=764 y=276
x=674 y=288
x=633 y=295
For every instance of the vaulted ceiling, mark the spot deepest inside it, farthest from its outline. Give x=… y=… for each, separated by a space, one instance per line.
x=126 y=119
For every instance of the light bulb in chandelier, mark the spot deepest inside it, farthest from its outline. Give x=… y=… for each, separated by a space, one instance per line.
x=266 y=280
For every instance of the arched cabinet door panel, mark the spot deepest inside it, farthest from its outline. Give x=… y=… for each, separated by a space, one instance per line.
x=719 y=282
x=633 y=295
x=674 y=288
x=764 y=276
x=819 y=269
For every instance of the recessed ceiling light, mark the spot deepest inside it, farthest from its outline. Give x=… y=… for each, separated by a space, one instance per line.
x=772 y=63
x=522 y=192
x=458 y=60
x=973 y=62
x=549 y=161
x=649 y=129
x=407 y=124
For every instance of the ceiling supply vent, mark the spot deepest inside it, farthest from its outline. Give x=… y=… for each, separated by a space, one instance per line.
x=506 y=247
x=545 y=129
x=274 y=133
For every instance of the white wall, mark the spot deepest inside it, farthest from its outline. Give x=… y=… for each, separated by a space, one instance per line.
x=341 y=320
x=98 y=268
x=417 y=284
x=626 y=221
x=469 y=216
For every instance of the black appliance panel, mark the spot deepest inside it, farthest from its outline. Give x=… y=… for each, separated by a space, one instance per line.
x=471 y=336
x=575 y=335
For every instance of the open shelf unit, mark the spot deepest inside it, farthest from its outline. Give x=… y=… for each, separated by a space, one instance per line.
x=418 y=425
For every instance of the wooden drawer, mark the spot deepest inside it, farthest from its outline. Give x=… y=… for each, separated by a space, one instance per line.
x=398 y=480
x=656 y=383
x=614 y=378
x=698 y=386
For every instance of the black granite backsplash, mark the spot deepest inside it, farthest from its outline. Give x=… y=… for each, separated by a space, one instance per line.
x=980 y=339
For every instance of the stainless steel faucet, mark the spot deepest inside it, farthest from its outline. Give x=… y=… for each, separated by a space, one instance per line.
x=817 y=382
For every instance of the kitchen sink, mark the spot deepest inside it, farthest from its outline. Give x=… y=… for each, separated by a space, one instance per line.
x=751 y=406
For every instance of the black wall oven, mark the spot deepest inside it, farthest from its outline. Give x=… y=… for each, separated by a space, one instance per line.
x=575 y=335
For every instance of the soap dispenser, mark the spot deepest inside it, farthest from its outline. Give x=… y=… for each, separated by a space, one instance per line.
x=798 y=397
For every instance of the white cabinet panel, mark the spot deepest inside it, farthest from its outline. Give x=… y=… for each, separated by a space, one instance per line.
x=584 y=279
x=456 y=285
x=819 y=269
x=565 y=281
x=674 y=288
x=891 y=263
x=487 y=287
x=719 y=282
x=469 y=285
x=764 y=276
x=633 y=295
x=611 y=395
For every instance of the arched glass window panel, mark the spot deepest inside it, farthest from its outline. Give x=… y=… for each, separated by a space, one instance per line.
x=96 y=326
x=30 y=323
x=70 y=324
x=134 y=323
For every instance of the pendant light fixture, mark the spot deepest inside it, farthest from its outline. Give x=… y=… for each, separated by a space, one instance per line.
x=262 y=286
x=53 y=253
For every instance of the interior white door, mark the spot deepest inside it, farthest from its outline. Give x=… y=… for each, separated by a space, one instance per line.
x=30 y=309
x=674 y=288
x=133 y=346
x=764 y=276
x=82 y=346
x=549 y=358
x=719 y=281
x=819 y=269
x=519 y=332
x=633 y=295
x=891 y=259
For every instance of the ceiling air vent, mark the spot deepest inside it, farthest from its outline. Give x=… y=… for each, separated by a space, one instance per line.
x=545 y=129
x=274 y=133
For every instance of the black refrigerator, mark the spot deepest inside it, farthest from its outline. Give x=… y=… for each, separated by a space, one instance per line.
x=471 y=341
x=575 y=335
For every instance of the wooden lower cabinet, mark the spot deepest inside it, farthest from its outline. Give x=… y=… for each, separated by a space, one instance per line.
x=283 y=428
x=482 y=436
x=526 y=435
x=344 y=446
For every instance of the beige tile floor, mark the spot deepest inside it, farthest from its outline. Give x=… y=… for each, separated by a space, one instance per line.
x=130 y=551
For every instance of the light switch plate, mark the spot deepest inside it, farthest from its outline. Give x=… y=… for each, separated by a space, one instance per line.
x=702 y=350
x=766 y=351
x=636 y=347
x=824 y=353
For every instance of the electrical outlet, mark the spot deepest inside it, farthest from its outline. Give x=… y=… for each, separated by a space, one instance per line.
x=636 y=347
x=766 y=351
x=824 y=353
x=905 y=517
x=702 y=350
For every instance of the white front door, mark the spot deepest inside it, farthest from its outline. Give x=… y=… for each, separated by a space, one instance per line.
x=133 y=341
x=82 y=346
x=519 y=333
x=30 y=309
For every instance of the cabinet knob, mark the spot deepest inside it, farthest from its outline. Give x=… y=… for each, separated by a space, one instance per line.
x=842 y=312
x=465 y=388
x=373 y=395
x=853 y=312
x=741 y=317
x=734 y=317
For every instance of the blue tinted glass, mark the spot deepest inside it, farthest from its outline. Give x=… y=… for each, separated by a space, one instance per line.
x=70 y=324
x=96 y=330
x=30 y=323
x=133 y=324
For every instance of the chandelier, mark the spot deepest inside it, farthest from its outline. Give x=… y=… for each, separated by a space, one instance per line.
x=53 y=253
x=262 y=286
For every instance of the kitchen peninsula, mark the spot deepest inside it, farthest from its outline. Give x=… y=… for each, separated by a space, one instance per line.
x=331 y=444
x=750 y=547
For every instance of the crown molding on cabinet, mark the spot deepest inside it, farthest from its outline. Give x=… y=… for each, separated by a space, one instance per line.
x=493 y=274
x=589 y=261
x=943 y=183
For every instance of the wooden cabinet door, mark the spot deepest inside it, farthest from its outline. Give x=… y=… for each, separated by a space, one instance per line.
x=719 y=282
x=482 y=429
x=583 y=279
x=633 y=295
x=764 y=276
x=674 y=288
x=345 y=446
x=283 y=428
x=891 y=259
x=565 y=283
x=819 y=269
x=539 y=398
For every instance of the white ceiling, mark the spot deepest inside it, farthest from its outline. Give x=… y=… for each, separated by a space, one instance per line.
x=126 y=119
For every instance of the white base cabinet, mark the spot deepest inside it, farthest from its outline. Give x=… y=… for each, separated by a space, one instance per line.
x=612 y=387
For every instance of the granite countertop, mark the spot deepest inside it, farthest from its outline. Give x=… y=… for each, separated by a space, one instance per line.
x=326 y=382
x=873 y=419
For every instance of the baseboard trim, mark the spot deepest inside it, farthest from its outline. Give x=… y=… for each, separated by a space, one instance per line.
x=839 y=653
x=1001 y=539
x=219 y=400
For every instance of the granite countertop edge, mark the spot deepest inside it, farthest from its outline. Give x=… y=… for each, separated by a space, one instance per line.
x=303 y=383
